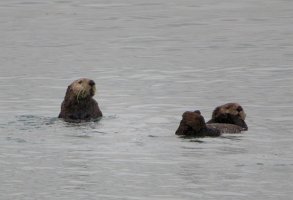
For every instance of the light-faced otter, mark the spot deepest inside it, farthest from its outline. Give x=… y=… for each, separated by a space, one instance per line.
x=230 y=113
x=193 y=125
x=78 y=104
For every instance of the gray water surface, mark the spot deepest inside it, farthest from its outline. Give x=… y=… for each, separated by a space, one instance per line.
x=151 y=60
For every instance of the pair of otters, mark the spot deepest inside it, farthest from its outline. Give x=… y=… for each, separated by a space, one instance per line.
x=78 y=105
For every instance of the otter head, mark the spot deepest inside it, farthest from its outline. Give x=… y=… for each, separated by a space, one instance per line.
x=191 y=123
x=231 y=113
x=81 y=89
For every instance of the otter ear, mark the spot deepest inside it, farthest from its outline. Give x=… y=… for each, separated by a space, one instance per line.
x=197 y=111
x=185 y=114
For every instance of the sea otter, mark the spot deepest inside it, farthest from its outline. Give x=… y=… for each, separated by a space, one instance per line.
x=78 y=104
x=193 y=124
x=230 y=113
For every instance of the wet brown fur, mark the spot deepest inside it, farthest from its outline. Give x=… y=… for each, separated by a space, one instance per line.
x=193 y=124
x=78 y=104
x=230 y=113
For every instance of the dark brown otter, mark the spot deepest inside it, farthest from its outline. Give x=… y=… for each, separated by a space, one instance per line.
x=230 y=113
x=78 y=104
x=193 y=125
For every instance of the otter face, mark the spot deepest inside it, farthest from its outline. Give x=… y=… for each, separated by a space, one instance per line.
x=82 y=88
x=231 y=113
x=191 y=123
x=78 y=103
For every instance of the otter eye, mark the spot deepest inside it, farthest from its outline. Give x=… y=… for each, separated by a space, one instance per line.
x=79 y=82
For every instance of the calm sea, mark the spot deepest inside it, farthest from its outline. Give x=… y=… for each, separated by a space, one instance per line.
x=151 y=60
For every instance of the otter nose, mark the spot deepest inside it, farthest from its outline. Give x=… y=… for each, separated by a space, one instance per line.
x=91 y=83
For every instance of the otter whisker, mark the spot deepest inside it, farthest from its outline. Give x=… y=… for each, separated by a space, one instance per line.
x=78 y=104
x=83 y=93
x=77 y=96
x=94 y=90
